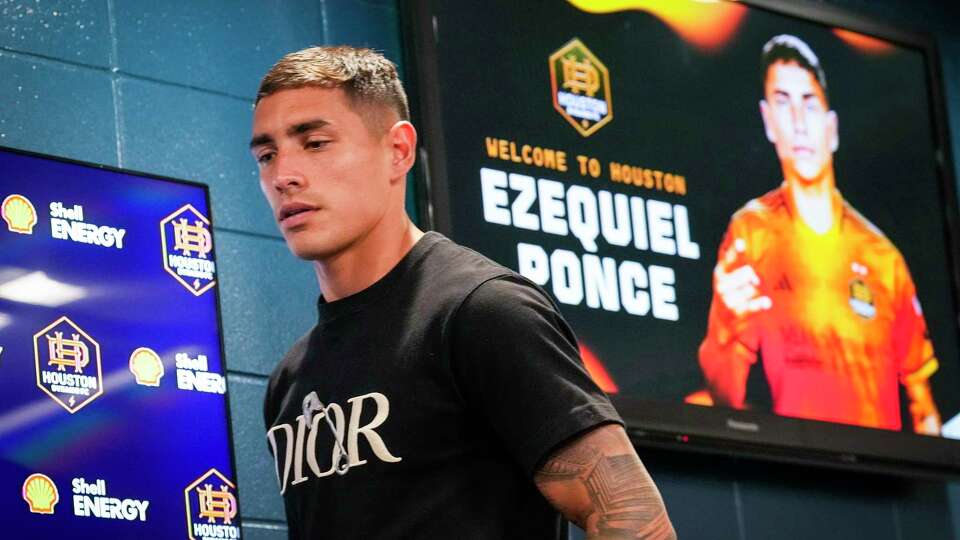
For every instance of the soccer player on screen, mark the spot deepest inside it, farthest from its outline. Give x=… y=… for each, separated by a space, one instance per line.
x=806 y=283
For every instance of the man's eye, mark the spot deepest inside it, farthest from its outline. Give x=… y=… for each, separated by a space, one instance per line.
x=316 y=144
x=265 y=158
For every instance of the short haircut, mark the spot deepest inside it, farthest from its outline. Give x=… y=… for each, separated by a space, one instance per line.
x=787 y=48
x=369 y=80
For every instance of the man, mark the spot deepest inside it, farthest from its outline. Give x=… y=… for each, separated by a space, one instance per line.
x=809 y=285
x=439 y=395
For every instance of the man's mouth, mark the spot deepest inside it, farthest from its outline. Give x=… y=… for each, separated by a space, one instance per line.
x=290 y=210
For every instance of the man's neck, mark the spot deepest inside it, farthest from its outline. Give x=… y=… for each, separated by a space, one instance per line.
x=366 y=261
x=814 y=200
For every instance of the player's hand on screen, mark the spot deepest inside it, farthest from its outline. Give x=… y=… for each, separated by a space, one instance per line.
x=737 y=282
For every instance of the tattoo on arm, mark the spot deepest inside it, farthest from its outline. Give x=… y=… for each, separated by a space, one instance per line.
x=599 y=483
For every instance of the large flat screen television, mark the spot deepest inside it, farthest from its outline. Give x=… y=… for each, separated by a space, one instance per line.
x=113 y=416
x=746 y=211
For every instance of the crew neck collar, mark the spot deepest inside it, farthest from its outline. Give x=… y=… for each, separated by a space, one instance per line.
x=837 y=208
x=327 y=311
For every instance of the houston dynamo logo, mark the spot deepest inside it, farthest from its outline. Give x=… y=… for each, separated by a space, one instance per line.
x=68 y=364
x=580 y=86
x=19 y=214
x=211 y=507
x=188 y=249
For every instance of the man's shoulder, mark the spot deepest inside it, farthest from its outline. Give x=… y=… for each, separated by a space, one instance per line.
x=454 y=276
x=871 y=242
x=765 y=208
x=857 y=223
x=450 y=268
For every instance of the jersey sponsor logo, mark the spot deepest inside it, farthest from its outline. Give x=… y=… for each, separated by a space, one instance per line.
x=90 y=500
x=307 y=442
x=68 y=224
x=580 y=86
x=146 y=366
x=211 y=504
x=67 y=362
x=861 y=299
x=187 y=247
x=40 y=493
x=19 y=214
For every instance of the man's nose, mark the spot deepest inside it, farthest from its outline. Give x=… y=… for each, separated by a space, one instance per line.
x=288 y=173
x=799 y=119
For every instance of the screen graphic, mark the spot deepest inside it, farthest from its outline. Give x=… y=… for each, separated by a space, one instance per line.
x=113 y=415
x=735 y=209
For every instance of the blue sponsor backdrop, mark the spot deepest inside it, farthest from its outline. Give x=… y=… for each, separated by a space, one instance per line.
x=146 y=442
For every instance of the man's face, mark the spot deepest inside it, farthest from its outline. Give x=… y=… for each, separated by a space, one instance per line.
x=325 y=174
x=798 y=122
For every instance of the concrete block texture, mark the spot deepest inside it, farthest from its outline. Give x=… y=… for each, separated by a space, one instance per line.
x=179 y=132
x=76 y=31
x=257 y=481
x=268 y=300
x=57 y=109
x=210 y=44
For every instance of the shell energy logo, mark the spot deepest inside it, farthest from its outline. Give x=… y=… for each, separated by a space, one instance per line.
x=146 y=366
x=580 y=86
x=187 y=249
x=40 y=493
x=211 y=503
x=19 y=214
x=68 y=364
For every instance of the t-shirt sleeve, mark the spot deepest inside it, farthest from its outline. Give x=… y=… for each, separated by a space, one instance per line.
x=911 y=339
x=517 y=364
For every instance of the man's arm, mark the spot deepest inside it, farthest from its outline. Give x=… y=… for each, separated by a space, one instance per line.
x=725 y=356
x=926 y=417
x=598 y=482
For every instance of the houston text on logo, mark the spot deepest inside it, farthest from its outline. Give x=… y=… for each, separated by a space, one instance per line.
x=580 y=87
x=187 y=247
x=211 y=506
x=68 y=364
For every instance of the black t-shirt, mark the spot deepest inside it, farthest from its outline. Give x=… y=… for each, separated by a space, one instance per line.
x=448 y=380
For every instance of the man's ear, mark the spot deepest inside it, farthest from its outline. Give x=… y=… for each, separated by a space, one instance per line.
x=767 y=121
x=403 y=143
x=833 y=130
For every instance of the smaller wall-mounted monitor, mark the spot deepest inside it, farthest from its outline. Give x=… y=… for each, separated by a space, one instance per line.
x=113 y=415
x=746 y=211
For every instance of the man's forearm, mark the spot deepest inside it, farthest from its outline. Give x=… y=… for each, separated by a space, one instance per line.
x=600 y=484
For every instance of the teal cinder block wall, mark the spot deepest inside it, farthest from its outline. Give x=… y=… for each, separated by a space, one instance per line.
x=166 y=87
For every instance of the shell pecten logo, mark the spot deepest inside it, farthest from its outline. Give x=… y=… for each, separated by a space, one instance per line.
x=19 y=214
x=146 y=366
x=40 y=493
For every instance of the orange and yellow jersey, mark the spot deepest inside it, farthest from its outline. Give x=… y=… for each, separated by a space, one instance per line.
x=844 y=326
